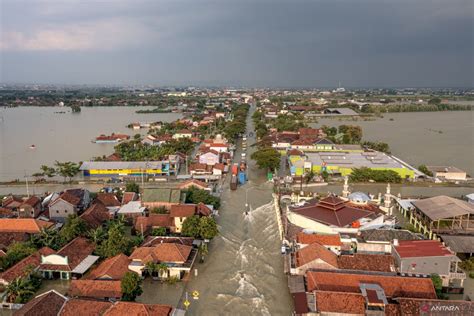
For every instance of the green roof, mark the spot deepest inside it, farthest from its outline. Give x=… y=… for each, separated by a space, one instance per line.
x=161 y=195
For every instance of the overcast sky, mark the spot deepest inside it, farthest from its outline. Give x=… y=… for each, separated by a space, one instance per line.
x=361 y=43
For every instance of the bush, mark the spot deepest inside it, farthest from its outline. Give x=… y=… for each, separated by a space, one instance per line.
x=366 y=174
x=159 y=231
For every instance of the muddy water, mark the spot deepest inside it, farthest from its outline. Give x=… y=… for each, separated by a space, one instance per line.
x=243 y=273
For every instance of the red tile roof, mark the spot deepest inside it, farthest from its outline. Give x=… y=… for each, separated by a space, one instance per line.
x=111 y=269
x=95 y=215
x=313 y=252
x=86 y=307
x=421 y=248
x=95 y=288
x=166 y=252
x=76 y=251
x=128 y=308
x=108 y=199
x=23 y=225
x=46 y=304
x=394 y=286
x=326 y=240
x=144 y=223
x=183 y=210
x=413 y=306
x=68 y=197
x=128 y=197
x=31 y=201
x=339 y=302
x=20 y=268
x=193 y=182
x=366 y=262
x=332 y=211
x=300 y=302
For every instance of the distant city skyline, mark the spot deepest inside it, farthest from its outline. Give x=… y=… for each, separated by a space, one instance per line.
x=287 y=44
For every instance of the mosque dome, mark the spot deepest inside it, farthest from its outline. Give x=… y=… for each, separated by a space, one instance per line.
x=359 y=198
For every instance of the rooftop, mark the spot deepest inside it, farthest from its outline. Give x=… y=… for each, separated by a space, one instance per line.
x=422 y=248
x=23 y=225
x=441 y=207
x=162 y=195
x=373 y=159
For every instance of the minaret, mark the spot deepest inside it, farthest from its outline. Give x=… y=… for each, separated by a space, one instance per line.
x=387 y=197
x=345 y=189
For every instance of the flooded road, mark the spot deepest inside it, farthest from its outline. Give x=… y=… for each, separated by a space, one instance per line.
x=243 y=273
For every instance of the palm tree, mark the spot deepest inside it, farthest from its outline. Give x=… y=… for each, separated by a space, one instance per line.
x=151 y=267
x=19 y=290
x=309 y=176
x=47 y=238
x=162 y=269
x=96 y=235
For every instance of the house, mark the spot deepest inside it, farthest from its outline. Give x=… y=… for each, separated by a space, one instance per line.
x=341 y=293
x=308 y=132
x=339 y=112
x=12 y=202
x=156 y=197
x=194 y=183
x=129 y=308
x=209 y=157
x=331 y=242
x=316 y=256
x=179 y=213
x=86 y=306
x=200 y=169
x=30 y=208
x=73 y=260
x=183 y=134
x=218 y=169
x=108 y=199
x=449 y=173
x=219 y=147
x=24 y=266
x=414 y=257
x=179 y=258
x=46 y=304
x=70 y=202
x=332 y=215
x=379 y=241
x=128 y=197
x=132 y=210
x=107 y=290
x=23 y=225
x=110 y=269
x=145 y=224
x=96 y=215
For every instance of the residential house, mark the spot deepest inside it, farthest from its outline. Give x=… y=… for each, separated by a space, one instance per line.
x=144 y=225
x=23 y=267
x=20 y=229
x=46 y=304
x=218 y=169
x=194 y=183
x=86 y=306
x=414 y=257
x=331 y=242
x=372 y=241
x=179 y=213
x=131 y=210
x=129 y=308
x=200 y=169
x=12 y=202
x=209 y=157
x=219 y=147
x=110 y=269
x=70 y=202
x=156 y=197
x=343 y=293
x=30 y=208
x=128 y=197
x=183 y=134
x=96 y=215
x=73 y=260
x=107 y=290
x=179 y=258
x=316 y=256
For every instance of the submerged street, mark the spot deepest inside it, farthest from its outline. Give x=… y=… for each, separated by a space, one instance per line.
x=243 y=273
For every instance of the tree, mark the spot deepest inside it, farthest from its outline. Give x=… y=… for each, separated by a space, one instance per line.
x=132 y=187
x=365 y=174
x=16 y=252
x=19 y=291
x=47 y=238
x=379 y=146
x=74 y=227
x=75 y=108
x=151 y=268
x=267 y=158
x=207 y=227
x=97 y=235
x=425 y=170
x=203 y=251
x=48 y=171
x=196 y=196
x=67 y=169
x=162 y=269
x=159 y=210
x=190 y=227
x=309 y=176
x=115 y=243
x=437 y=283
x=131 y=286
x=159 y=231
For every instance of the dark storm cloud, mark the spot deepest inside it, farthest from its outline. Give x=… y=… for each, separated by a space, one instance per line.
x=264 y=43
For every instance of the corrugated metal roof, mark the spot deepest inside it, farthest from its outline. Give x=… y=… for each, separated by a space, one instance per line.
x=459 y=244
x=441 y=207
x=85 y=264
